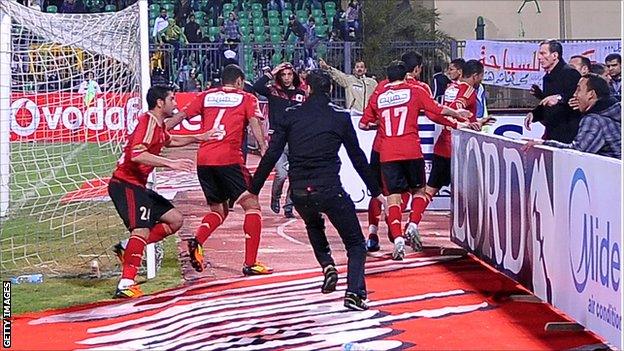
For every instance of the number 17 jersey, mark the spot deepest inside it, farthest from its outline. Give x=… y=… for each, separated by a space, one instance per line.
x=396 y=106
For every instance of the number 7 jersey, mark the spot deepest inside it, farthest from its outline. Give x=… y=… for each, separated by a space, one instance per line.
x=229 y=110
x=396 y=107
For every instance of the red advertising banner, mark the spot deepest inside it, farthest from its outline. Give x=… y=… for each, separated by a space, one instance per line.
x=64 y=117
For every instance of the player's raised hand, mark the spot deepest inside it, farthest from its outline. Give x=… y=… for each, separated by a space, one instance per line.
x=182 y=164
x=323 y=64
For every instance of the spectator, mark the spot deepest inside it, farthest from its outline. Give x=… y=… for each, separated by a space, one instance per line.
x=614 y=67
x=294 y=26
x=554 y=112
x=357 y=86
x=89 y=85
x=192 y=84
x=353 y=16
x=601 y=70
x=215 y=6
x=285 y=93
x=439 y=82
x=34 y=4
x=160 y=24
x=278 y=5
x=600 y=130
x=311 y=41
x=232 y=29
x=192 y=30
x=174 y=36
x=72 y=6
x=580 y=63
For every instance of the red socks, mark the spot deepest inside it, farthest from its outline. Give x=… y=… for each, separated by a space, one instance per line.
x=374 y=211
x=252 y=226
x=159 y=232
x=394 y=222
x=210 y=222
x=419 y=205
x=133 y=256
x=405 y=198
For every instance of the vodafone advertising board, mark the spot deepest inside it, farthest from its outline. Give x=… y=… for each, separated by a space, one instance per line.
x=64 y=117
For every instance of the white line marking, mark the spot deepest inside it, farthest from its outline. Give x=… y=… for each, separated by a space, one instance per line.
x=280 y=232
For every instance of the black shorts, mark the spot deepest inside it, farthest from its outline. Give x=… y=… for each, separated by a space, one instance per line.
x=223 y=183
x=138 y=207
x=440 y=175
x=401 y=176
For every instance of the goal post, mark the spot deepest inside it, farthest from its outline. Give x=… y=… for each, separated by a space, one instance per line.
x=70 y=87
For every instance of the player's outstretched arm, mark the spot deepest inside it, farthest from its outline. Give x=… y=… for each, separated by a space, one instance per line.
x=183 y=140
x=175 y=119
x=150 y=159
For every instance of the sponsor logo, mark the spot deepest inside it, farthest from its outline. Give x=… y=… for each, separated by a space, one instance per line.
x=223 y=99
x=28 y=114
x=450 y=94
x=394 y=98
x=594 y=252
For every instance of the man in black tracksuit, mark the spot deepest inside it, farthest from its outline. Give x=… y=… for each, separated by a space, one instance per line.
x=314 y=131
x=561 y=122
x=284 y=93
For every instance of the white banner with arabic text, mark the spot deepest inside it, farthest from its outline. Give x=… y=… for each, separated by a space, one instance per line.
x=516 y=65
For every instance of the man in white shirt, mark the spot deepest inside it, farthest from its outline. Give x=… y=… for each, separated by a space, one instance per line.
x=160 y=23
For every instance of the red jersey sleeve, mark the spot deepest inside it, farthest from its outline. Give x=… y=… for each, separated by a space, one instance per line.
x=143 y=135
x=433 y=110
x=466 y=97
x=195 y=107
x=252 y=108
x=370 y=111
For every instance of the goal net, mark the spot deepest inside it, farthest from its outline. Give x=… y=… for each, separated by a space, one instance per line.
x=74 y=87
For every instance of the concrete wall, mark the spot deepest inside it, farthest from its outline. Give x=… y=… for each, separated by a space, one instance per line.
x=582 y=19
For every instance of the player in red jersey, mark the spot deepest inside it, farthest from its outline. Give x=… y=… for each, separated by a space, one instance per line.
x=220 y=167
x=460 y=94
x=395 y=108
x=413 y=63
x=149 y=216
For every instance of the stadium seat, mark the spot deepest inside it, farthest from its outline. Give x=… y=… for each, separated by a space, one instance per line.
x=258 y=30
x=227 y=8
x=277 y=38
x=246 y=39
x=330 y=5
x=256 y=7
x=200 y=14
x=154 y=7
x=276 y=59
x=302 y=14
x=274 y=21
x=245 y=30
x=273 y=14
x=257 y=22
x=243 y=22
x=276 y=30
x=168 y=7
x=256 y=14
x=287 y=5
x=330 y=15
x=319 y=21
x=260 y=38
x=321 y=31
x=285 y=15
x=317 y=13
x=51 y=9
x=214 y=31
